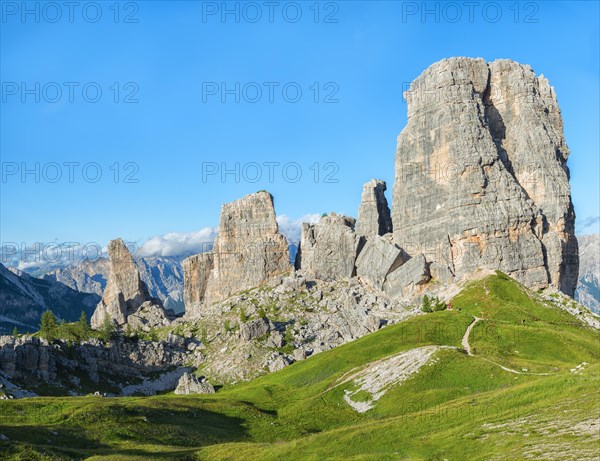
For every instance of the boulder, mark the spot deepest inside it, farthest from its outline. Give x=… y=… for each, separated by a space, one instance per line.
x=374 y=213
x=377 y=259
x=481 y=179
x=150 y=315
x=254 y=329
x=441 y=273
x=190 y=384
x=278 y=363
x=408 y=278
x=328 y=249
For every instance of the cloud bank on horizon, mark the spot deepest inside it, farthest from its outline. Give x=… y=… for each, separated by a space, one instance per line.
x=174 y=244
x=39 y=257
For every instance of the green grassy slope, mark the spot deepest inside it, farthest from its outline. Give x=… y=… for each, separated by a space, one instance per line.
x=457 y=407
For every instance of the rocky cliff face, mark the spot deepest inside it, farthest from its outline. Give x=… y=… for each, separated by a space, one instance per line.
x=122 y=366
x=481 y=175
x=125 y=294
x=328 y=249
x=248 y=251
x=26 y=356
x=374 y=213
x=332 y=250
x=588 y=286
x=197 y=270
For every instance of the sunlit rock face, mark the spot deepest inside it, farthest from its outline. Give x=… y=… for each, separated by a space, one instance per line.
x=481 y=179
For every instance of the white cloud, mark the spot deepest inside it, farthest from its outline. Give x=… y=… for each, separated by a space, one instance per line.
x=292 y=228
x=178 y=244
x=39 y=258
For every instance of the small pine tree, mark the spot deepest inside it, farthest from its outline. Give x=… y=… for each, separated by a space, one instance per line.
x=261 y=313
x=15 y=332
x=48 y=326
x=243 y=315
x=108 y=329
x=432 y=304
x=438 y=304
x=83 y=329
x=426 y=304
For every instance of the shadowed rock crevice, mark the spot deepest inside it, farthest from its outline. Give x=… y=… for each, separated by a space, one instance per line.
x=374 y=213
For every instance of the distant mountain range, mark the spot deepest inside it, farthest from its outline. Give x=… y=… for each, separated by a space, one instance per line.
x=74 y=288
x=23 y=299
x=588 y=286
x=163 y=275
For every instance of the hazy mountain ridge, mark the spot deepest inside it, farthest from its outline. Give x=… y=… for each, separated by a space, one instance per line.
x=588 y=285
x=162 y=275
x=24 y=298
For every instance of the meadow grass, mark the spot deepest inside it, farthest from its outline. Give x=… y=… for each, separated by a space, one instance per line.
x=456 y=407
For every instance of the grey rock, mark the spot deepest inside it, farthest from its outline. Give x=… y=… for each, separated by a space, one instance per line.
x=278 y=363
x=150 y=315
x=378 y=258
x=249 y=250
x=165 y=381
x=295 y=282
x=177 y=341
x=408 y=278
x=275 y=339
x=299 y=354
x=373 y=324
x=26 y=355
x=197 y=270
x=30 y=361
x=466 y=194
x=125 y=293
x=374 y=213
x=190 y=384
x=328 y=249
x=254 y=329
x=526 y=124
x=441 y=273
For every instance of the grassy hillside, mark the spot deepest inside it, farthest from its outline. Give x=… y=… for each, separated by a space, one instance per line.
x=529 y=391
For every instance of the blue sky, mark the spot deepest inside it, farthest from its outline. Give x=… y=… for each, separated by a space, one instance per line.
x=167 y=61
